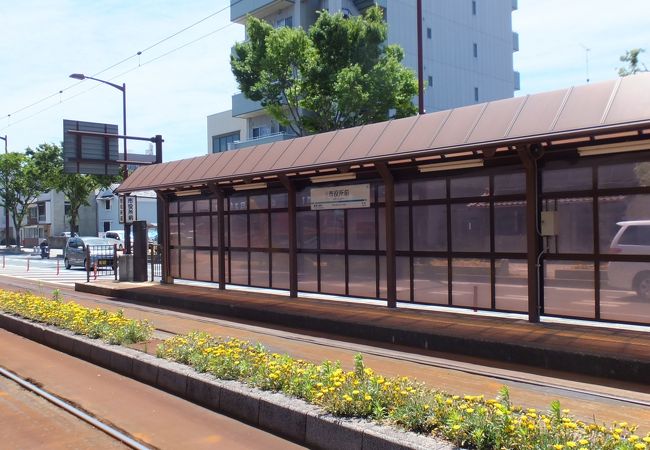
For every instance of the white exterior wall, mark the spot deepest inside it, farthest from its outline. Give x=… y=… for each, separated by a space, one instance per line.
x=146 y=209
x=224 y=123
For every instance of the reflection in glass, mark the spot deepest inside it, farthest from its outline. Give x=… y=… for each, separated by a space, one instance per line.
x=259 y=269
x=470 y=227
x=173 y=207
x=186 y=230
x=173 y=263
x=430 y=282
x=239 y=268
x=469 y=186
x=280 y=230
x=237 y=202
x=258 y=201
x=306 y=229
x=303 y=198
x=279 y=200
x=569 y=288
x=362 y=276
x=632 y=236
x=187 y=264
x=510 y=226
x=471 y=286
x=215 y=266
x=361 y=229
x=402 y=230
x=511 y=285
x=215 y=231
x=428 y=189
x=238 y=230
x=203 y=268
x=202 y=227
x=570 y=179
x=430 y=228
x=259 y=230
x=173 y=232
x=619 y=299
x=332 y=274
x=202 y=206
x=307 y=272
x=186 y=206
x=574 y=225
x=629 y=174
x=510 y=183
x=332 y=231
x=280 y=279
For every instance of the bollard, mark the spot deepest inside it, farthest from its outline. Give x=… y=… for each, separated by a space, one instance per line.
x=475 y=298
x=57 y=267
x=3 y=261
x=27 y=264
x=95 y=270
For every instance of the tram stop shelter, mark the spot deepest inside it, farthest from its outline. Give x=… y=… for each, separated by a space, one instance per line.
x=538 y=204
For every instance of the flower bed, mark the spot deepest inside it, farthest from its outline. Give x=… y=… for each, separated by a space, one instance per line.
x=95 y=323
x=469 y=421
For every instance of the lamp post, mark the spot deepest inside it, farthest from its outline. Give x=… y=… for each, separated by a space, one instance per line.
x=125 y=173
x=6 y=209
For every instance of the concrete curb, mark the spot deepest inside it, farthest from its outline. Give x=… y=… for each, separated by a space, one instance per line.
x=291 y=418
x=531 y=354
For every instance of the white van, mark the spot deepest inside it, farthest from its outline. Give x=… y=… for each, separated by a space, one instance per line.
x=632 y=239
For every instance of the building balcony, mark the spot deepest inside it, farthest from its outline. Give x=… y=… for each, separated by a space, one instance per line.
x=258 y=8
x=260 y=140
x=517 y=81
x=515 y=5
x=243 y=107
x=515 y=41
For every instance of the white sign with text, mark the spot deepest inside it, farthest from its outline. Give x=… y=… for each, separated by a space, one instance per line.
x=341 y=197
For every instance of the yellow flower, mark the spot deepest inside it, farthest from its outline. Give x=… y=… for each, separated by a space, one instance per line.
x=571 y=444
x=558 y=446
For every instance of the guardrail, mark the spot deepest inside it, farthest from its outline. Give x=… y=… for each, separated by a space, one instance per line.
x=155 y=260
x=101 y=260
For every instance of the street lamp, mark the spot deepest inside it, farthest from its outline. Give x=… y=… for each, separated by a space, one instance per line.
x=81 y=76
x=6 y=209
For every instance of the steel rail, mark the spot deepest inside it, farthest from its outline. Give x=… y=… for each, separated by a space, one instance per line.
x=113 y=432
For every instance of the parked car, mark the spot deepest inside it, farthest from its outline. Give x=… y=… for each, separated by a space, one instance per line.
x=118 y=235
x=633 y=238
x=101 y=251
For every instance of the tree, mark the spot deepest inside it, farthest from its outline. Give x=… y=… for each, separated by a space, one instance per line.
x=339 y=74
x=631 y=57
x=23 y=177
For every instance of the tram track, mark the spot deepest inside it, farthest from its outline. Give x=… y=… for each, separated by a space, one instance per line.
x=112 y=432
x=558 y=386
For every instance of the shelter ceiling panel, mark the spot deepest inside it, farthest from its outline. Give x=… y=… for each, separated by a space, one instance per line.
x=338 y=145
x=254 y=157
x=496 y=120
x=585 y=106
x=314 y=148
x=296 y=148
x=538 y=114
x=632 y=101
x=458 y=127
x=365 y=140
x=424 y=131
x=271 y=156
x=393 y=136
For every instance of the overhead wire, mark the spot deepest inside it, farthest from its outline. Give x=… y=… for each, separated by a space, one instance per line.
x=137 y=54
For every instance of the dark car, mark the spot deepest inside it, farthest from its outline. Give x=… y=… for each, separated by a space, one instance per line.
x=101 y=252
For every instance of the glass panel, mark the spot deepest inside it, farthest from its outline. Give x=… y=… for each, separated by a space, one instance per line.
x=303 y=198
x=202 y=206
x=259 y=231
x=215 y=205
x=571 y=179
x=382 y=277
x=631 y=237
x=307 y=272
x=361 y=229
x=430 y=228
x=280 y=278
x=239 y=268
x=430 y=282
x=470 y=227
x=173 y=231
x=625 y=291
x=237 y=202
x=279 y=200
x=280 y=230
x=187 y=264
x=510 y=183
x=306 y=229
x=215 y=231
x=202 y=228
x=186 y=206
x=630 y=174
x=173 y=207
x=173 y=263
x=510 y=227
x=203 y=268
x=403 y=269
x=402 y=230
x=258 y=201
x=362 y=276
x=332 y=274
x=471 y=286
x=428 y=189
x=186 y=230
x=469 y=187
x=332 y=232
x=574 y=225
x=569 y=288
x=401 y=192
x=215 y=266
x=238 y=230
x=511 y=289
x=260 y=269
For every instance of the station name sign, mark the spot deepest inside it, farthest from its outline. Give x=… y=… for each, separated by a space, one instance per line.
x=127 y=209
x=341 y=197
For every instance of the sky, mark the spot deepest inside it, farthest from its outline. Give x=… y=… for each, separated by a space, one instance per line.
x=182 y=74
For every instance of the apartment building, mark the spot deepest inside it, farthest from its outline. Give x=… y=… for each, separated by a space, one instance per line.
x=467 y=56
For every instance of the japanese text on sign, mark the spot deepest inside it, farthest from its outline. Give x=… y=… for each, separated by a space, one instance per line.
x=341 y=197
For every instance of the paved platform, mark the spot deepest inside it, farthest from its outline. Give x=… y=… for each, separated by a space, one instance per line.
x=612 y=353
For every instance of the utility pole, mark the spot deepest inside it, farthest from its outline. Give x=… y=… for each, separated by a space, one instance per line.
x=420 y=61
x=6 y=209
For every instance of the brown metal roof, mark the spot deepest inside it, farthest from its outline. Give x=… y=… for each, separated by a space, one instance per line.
x=579 y=111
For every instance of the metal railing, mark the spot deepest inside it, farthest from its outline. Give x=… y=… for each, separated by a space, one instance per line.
x=101 y=260
x=155 y=261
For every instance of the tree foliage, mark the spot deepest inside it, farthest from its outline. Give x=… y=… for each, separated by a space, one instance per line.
x=631 y=57
x=339 y=74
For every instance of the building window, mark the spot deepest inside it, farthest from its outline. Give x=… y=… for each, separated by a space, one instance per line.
x=473 y=7
x=286 y=22
x=428 y=33
x=41 y=212
x=475 y=49
x=220 y=143
x=261 y=132
x=66 y=209
x=107 y=225
x=476 y=94
x=430 y=81
x=107 y=204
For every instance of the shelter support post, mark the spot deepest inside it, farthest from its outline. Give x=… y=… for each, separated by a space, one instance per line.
x=162 y=217
x=293 y=240
x=389 y=194
x=221 y=239
x=529 y=160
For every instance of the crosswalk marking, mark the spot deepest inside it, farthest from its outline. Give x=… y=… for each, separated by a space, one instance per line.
x=49 y=275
